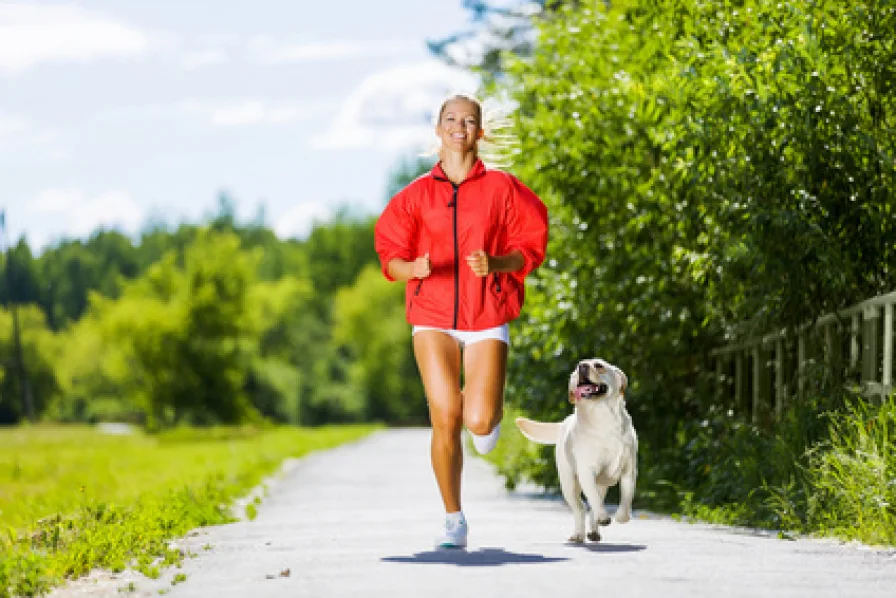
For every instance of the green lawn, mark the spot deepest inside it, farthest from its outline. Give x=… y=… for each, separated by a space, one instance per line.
x=72 y=498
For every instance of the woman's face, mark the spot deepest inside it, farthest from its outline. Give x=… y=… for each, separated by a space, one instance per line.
x=459 y=128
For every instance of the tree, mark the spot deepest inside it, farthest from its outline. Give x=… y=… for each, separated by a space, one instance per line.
x=369 y=323
x=497 y=32
x=39 y=353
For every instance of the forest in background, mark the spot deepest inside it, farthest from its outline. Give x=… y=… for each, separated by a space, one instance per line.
x=219 y=322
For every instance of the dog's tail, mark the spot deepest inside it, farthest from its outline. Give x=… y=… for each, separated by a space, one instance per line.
x=540 y=432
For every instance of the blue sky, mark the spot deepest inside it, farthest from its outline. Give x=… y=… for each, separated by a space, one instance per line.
x=113 y=112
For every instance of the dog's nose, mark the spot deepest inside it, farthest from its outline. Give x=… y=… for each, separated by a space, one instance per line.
x=583 y=372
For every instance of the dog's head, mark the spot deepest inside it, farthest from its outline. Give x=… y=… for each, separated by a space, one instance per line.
x=594 y=379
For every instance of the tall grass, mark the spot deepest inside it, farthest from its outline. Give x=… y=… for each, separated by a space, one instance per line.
x=853 y=475
x=72 y=499
x=824 y=472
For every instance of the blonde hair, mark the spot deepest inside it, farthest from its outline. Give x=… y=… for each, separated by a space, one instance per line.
x=499 y=144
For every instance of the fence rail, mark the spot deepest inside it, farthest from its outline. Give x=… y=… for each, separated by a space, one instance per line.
x=854 y=346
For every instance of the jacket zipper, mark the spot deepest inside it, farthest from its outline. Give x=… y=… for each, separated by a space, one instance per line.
x=456 y=257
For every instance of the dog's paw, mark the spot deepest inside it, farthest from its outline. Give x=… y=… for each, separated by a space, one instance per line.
x=594 y=536
x=576 y=539
x=623 y=517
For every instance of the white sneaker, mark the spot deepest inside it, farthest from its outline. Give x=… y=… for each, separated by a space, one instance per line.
x=455 y=535
x=485 y=444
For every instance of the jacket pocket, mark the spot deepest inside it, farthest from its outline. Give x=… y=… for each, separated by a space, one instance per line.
x=498 y=289
x=416 y=292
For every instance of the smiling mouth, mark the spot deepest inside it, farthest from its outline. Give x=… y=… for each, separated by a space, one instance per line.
x=588 y=390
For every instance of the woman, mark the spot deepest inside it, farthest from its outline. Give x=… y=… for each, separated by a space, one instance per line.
x=464 y=237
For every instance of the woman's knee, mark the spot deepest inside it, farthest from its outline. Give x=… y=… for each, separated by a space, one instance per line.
x=446 y=421
x=482 y=421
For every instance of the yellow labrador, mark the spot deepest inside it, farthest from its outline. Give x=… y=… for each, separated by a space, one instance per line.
x=596 y=446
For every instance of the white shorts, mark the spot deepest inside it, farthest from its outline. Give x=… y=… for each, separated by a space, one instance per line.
x=468 y=337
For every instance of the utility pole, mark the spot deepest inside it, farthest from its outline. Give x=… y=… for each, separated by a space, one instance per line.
x=21 y=374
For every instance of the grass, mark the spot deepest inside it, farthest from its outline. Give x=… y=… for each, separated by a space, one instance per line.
x=73 y=499
x=827 y=474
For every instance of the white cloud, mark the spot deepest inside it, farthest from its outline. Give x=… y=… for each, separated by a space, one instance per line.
x=268 y=50
x=394 y=109
x=83 y=214
x=252 y=112
x=10 y=126
x=17 y=133
x=200 y=58
x=31 y=34
x=300 y=219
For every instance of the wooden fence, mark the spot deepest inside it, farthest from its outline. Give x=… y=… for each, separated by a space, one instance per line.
x=854 y=347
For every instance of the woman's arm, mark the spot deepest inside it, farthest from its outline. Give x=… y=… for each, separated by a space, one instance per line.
x=484 y=264
x=400 y=269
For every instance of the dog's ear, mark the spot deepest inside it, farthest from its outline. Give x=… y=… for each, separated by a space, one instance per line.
x=623 y=380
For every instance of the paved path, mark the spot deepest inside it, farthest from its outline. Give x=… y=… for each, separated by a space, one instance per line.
x=360 y=520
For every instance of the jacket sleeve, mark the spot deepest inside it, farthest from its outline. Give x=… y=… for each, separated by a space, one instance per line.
x=527 y=227
x=395 y=231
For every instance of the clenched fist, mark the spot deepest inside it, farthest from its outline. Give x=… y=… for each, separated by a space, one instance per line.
x=422 y=267
x=480 y=262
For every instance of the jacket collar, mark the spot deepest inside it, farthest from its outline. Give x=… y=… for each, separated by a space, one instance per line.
x=477 y=171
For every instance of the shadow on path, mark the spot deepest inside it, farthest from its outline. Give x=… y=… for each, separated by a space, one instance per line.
x=602 y=547
x=485 y=557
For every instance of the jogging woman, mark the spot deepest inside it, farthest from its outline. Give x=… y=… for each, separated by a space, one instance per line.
x=464 y=237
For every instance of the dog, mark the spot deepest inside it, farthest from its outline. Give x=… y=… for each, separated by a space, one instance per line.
x=596 y=446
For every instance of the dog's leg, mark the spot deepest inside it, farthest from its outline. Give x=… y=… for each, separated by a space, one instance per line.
x=572 y=493
x=626 y=495
x=595 y=495
x=601 y=515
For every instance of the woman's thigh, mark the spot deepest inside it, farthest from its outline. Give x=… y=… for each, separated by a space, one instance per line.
x=439 y=359
x=485 y=366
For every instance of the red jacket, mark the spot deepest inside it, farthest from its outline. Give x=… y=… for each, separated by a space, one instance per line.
x=490 y=210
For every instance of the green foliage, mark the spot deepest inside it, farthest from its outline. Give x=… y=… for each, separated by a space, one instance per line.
x=39 y=350
x=369 y=323
x=73 y=499
x=821 y=471
x=853 y=475
x=177 y=338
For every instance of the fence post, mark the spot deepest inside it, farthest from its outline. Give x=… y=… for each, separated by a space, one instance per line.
x=870 y=345
x=888 y=348
x=739 y=399
x=801 y=362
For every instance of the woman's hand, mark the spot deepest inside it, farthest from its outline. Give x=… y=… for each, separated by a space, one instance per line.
x=480 y=262
x=421 y=267
x=483 y=264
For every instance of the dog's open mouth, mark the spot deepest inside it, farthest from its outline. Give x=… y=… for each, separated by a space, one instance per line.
x=588 y=390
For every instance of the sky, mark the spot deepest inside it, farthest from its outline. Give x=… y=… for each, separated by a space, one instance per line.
x=115 y=113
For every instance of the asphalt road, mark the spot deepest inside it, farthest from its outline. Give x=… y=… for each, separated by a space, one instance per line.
x=360 y=520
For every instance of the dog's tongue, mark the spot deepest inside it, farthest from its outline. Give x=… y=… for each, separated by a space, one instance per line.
x=586 y=390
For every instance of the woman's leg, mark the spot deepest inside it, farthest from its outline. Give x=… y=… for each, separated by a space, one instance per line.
x=438 y=359
x=485 y=365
